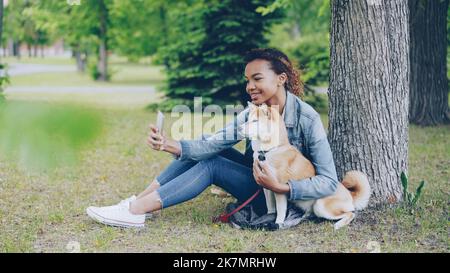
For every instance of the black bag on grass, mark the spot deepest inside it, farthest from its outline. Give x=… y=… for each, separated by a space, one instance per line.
x=248 y=218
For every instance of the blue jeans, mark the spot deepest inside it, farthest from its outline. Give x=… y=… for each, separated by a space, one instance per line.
x=183 y=180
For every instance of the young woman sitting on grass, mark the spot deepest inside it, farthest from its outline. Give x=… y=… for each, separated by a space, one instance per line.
x=271 y=79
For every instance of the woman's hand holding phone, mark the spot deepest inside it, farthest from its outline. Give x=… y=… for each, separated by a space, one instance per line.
x=157 y=140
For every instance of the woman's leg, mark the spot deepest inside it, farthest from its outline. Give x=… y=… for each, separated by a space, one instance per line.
x=194 y=178
x=233 y=177
x=177 y=167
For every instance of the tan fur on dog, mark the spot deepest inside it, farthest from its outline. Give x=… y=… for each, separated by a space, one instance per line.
x=268 y=132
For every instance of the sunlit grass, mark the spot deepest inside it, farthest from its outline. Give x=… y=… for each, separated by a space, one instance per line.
x=122 y=74
x=64 y=60
x=44 y=212
x=112 y=100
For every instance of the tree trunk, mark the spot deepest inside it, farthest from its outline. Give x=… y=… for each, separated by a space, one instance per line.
x=80 y=57
x=16 y=49
x=81 y=61
x=369 y=85
x=29 y=51
x=295 y=30
x=35 y=51
x=163 y=17
x=429 y=84
x=103 y=48
x=10 y=45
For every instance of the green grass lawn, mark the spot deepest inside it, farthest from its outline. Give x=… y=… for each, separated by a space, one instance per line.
x=44 y=212
x=98 y=100
x=122 y=74
x=63 y=60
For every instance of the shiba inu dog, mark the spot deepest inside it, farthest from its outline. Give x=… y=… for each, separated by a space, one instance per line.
x=270 y=142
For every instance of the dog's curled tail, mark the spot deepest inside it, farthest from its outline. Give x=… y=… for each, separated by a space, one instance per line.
x=358 y=185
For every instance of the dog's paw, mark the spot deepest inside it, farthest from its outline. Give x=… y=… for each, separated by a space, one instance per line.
x=339 y=225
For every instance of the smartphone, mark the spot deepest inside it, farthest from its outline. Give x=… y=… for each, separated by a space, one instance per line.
x=160 y=122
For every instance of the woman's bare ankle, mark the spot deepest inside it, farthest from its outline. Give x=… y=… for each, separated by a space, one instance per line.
x=148 y=203
x=153 y=186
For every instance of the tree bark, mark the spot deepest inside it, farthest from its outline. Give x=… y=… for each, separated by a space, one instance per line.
x=80 y=58
x=295 y=30
x=103 y=48
x=81 y=61
x=163 y=17
x=16 y=49
x=368 y=94
x=35 y=51
x=429 y=84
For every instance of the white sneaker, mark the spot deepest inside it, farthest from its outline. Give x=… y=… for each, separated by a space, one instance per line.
x=148 y=215
x=117 y=215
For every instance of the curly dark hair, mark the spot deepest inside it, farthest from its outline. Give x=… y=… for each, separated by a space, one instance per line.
x=279 y=63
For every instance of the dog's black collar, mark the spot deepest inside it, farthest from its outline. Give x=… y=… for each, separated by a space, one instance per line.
x=262 y=154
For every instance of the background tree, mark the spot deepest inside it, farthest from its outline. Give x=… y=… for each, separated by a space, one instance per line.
x=2 y=97
x=429 y=84
x=75 y=25
x=141 y=21
x=34 y=34
x=1 y=19
x=102 y=33
x=82 y=29
x=304 y=36
x=14 y=26
x=206 y=58
x=369 y=83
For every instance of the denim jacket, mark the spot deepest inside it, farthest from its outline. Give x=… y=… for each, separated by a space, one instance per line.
x=305 y=132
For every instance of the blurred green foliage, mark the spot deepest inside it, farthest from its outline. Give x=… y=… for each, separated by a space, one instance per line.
x=304 y=36
x=41 y=136
x=313 y=55
x=206 y=59
x=133 y=28
x=200 y=42
x=318 y=101
x=4 y=80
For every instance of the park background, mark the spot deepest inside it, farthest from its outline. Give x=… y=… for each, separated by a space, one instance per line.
x=81 y=80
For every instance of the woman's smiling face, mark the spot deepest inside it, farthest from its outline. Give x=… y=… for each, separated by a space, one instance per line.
x=262 y=81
